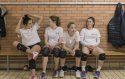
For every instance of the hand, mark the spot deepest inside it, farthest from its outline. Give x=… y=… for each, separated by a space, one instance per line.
x=21 y=18
x=91 y=47
x=73 y=52
x=70 y=51
x=58 y=45
x=47 y=45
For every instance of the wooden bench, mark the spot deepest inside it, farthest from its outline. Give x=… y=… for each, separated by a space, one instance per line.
x=10 y=57
x=115 y=58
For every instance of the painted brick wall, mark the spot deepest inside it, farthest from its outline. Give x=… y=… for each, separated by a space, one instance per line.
x=67 y=13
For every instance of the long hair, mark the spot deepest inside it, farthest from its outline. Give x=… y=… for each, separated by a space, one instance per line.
x=93 y=19
x=26 y=19
x=56 y=19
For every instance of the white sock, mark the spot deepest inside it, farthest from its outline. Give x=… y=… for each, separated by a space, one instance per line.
x=99 y=68
x=35 y=54
x=83 y=68
x=44 y=71
x=62 y=65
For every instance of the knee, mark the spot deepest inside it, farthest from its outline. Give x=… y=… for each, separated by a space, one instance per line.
x=21 y=47
x=15 y=43
x=84 y=57
x=63 y=54
x=38 y=47
x=56 y=52
x=45 y=51
x=102 y=56
x=78 y=53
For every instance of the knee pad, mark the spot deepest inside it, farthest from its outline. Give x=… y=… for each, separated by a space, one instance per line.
x=45 y=51
x=78 y=68
x=78 y=53
x=63 y=54
x=32 y=64
x=84 y=57
x=102 y=56
x=21 y=47
x=56 y=52
x=75 y=68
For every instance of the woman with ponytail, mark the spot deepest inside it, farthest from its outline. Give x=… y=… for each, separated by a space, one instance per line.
x=30 y=40
x=52 y=37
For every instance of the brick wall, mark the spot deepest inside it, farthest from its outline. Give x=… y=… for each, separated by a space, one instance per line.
x=67 y=13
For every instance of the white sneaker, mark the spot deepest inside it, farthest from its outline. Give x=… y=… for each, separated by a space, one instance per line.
x=77 y=74
x=61 y=74
x=35 y=55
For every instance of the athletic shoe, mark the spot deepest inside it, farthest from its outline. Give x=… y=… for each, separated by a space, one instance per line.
x=77 y=74
x=61 y=74
x=83 y=75
x=43 y=76
x=96 y=74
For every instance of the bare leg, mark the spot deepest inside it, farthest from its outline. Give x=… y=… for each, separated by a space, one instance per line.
x=85 y=51
x=97 y=51
x=15 y=43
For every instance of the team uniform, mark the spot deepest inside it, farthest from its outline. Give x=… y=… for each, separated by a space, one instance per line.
x=70 y=42
x=53 y=35
x=30 y=36
x=90 y=37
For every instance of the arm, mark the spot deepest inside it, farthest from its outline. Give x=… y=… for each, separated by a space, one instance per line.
x=77 y=39
x=46 y=37
x=66 y=48
x=97 y=41
x=38 y=17
x=46 y=40
x=82 y=38
x=76 y=46
x=61 y=38
x=18 y=26
x=98 y=38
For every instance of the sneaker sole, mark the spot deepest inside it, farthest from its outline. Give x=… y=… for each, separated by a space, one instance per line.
x=77 y=77
x=96 y=78
x=61 y=77
x=83 y=78
x=41 y=78
x=55 y=77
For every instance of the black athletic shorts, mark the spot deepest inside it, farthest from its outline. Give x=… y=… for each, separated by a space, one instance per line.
x=34 y=45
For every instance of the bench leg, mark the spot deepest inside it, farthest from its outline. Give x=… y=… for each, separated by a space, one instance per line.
x=96 y=60
x=7 y=63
